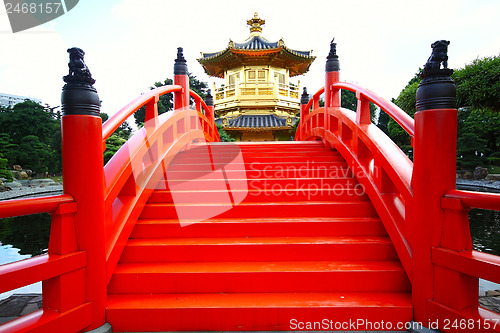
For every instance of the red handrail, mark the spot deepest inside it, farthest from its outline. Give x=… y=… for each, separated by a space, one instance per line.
x=199 y=100
x=28 y=206
x=315 y=96
x=482 y=200
x=63 y=260
x=474 y=263
x=119 y=118
x=401 y=117
x=28 y=271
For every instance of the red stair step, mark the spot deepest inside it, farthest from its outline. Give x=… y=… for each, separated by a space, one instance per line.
x=256 y=312
x=269 y=144
x=218 y=181
x=314 y=158
x=258 y=249
x=254 y=173
x=258 y=195
x=261 y=165
x=260 y=209
x=223 y=158
x=253 y=227
x=267 y=260
x=258 y=277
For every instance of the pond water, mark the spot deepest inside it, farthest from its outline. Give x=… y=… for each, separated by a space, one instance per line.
x=26 y=236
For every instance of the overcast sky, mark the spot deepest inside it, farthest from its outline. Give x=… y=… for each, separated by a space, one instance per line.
x=130 y=44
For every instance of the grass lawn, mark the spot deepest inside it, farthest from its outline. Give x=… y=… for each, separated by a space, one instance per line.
x=57 y=179
x=494 y=169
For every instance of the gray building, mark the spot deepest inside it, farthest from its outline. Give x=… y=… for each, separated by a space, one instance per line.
x=11 y=100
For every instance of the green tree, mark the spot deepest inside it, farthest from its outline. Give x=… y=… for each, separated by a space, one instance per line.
x=406 y=101
x=28 y=118
x=8 y=149
x=478 y=84
x=4 y=170
x=31 y=137
x=485 y=123
x=224 y=137
x=117 y=139
x=113 y=144
x=36 y=155
x=478 y=103
x=383 y=121
x=469 y=147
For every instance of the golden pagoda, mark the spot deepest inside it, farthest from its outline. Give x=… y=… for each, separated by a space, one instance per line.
x=257 y=102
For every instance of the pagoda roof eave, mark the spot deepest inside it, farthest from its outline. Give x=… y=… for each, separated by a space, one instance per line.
x=216 y=63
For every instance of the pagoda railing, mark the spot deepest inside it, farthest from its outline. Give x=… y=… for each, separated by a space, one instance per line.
x=255 y=90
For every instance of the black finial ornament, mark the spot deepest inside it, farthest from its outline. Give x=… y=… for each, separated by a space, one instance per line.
x=332 y=60
x=78 y=95
x=304 y=98
x=209 y=100
x=180 y=66
x=438 y=56
x=78 y=70
x=437 y=89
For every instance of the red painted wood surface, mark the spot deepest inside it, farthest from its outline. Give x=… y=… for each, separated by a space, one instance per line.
x=424 y=217
x=248 y=236
x=272 y=256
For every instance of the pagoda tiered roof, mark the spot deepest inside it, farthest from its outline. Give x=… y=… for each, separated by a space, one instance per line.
x=256 y=50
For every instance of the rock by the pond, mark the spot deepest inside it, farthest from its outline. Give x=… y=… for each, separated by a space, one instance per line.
x=41 y=182
x=490 y=303
x=16 y=174
x=4 y=188
x=493 y=293
x=28 y=172
x=467 y=175
x=13 y=184
x=480 y=173
x=19 y=305
x=17 y=167
x=493 y=177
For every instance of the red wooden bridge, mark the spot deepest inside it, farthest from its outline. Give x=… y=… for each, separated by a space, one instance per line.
x=181 y=232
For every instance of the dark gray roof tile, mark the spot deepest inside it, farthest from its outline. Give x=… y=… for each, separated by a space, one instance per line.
x=257 y=121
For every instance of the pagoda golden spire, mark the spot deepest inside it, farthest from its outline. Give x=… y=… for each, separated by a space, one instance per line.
x=256 y=23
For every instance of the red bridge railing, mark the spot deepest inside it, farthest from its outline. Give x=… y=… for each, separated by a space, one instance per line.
x=94 y=217
x=62 y=270
x=425 y=216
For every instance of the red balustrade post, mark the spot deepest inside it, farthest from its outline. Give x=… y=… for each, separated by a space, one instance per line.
x=83 y=177
x=151 y=114
x=363 y=116
x=434 y=173
x=181 y=78
x=304 y=99
x=315 y=103
x=67 y=291
x=332 y=76
x=209 y=101
x=210 y=114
